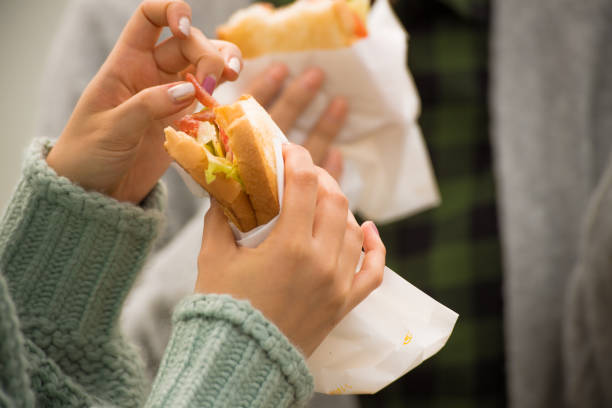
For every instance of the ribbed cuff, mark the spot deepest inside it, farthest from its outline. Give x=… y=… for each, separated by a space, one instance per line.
x=70 y=255
x=223 y=352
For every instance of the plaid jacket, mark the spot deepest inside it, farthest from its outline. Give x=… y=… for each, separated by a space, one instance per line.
x=453 y=251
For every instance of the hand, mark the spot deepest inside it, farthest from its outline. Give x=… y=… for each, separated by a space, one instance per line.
x=286 y=108
x=113 y=142
x=302 y=277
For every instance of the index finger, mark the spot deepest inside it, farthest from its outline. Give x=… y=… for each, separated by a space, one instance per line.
x=144 y=27
x=300 y=195
x=327 y=128
x=296 y=97
x=268 y=83
x=331 y=213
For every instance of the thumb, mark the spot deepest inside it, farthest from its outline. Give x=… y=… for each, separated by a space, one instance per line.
x=217 y=235
x=158 y=103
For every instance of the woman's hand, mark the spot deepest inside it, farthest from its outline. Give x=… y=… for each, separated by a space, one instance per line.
x=287 y=103
x=302 y=277
x=113 y=142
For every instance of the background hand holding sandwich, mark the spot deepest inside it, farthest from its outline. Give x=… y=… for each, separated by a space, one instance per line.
x=287 y=100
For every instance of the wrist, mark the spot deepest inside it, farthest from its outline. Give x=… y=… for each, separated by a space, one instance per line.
x=83 y=169
x=62 y=161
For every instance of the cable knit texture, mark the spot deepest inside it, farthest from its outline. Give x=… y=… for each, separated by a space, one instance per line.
x=68 y=257
x=215 y=333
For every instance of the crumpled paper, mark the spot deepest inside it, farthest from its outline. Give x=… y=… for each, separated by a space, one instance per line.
x=387 y=172
x=392 y=331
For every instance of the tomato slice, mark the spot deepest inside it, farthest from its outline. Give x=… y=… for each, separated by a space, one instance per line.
x=188 y=125
x=205 y=115
x=224 y=140
x=360 y=27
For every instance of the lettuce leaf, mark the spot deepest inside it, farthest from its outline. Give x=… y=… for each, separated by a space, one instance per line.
x=218 y=165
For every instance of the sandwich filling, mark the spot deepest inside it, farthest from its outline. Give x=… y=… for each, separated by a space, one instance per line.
x=215 y=143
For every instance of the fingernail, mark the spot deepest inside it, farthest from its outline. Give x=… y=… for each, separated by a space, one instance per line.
x=181 y=91
x=374 y=228
x=209 y=84
x=234 y=65
x=184 y=25
x=312 y=78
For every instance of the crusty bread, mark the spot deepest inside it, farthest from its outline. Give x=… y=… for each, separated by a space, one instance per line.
x=304 y=25
x=251 y=132
x=191 y=156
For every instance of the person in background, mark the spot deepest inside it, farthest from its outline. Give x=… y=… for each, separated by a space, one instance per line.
x=87 y=33
x=84 y=217
x=552 y=128
x=453 y=252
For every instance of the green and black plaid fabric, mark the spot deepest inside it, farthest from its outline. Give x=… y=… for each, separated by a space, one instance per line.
x=453 y=252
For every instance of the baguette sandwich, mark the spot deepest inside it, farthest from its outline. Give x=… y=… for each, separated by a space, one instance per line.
x=229 y=151
x=304 y=25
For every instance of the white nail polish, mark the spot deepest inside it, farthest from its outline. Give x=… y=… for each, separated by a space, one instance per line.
x=234 y=64
x=184 y=25
x=182 y=91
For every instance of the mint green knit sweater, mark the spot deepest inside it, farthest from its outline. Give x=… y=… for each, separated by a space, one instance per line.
x=67 y=261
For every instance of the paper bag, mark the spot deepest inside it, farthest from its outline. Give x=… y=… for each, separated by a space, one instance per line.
x=387 y=173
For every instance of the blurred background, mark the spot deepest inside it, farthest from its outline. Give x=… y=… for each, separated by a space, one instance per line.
x=27 y=28
x=478 y=65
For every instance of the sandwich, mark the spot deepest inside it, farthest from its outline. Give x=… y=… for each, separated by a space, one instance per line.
x=229 y=151
x=304 y=25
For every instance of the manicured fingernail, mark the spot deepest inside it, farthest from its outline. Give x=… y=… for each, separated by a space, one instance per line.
x=312 y=78
x=209 y=84
x=184 y=26
x=373 y=226
x=181 y=91
x=234 y=64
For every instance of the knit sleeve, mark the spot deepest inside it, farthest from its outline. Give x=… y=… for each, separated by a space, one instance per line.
x=224 y=353
x=69 y=258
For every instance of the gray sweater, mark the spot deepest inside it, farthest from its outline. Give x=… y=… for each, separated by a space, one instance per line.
x=552 y=129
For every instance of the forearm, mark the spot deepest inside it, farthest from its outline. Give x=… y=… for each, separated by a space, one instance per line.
x=224 y=353
x=69 y=255
x=69 y=258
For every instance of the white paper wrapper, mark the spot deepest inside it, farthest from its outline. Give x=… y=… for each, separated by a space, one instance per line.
x=392 y=331
x=388 y=334
x=387 y=174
